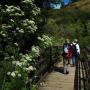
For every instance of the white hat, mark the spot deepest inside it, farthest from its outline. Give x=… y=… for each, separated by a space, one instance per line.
x=75 y=40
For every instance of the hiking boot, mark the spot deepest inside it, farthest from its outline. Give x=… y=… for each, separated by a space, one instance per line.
x=67 y=72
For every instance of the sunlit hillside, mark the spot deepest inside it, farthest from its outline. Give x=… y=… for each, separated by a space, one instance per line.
x=73 y=20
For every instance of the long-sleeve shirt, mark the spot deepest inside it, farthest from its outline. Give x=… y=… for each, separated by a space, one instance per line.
x=77 y=47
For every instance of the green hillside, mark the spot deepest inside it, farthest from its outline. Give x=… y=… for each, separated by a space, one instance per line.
x=72 y=21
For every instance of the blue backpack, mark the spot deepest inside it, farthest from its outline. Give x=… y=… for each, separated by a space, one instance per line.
x=65 y=48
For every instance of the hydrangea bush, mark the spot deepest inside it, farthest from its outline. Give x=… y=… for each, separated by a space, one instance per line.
x=45 y=41
x=17 y=23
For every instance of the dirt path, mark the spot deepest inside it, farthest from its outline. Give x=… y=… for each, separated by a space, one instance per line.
x=56 y=80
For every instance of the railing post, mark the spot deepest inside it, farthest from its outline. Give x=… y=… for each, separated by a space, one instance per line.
x=50 y=62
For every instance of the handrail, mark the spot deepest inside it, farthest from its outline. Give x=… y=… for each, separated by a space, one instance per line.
x=44 y=63
x=77 y=80
x=47 y=60
x=82 y=72
x=85 y=64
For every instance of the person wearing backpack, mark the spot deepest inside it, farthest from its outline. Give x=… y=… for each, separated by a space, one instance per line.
x=76 y=52
x=67 y=55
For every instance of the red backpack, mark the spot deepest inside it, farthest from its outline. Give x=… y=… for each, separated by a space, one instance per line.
x=69 y=54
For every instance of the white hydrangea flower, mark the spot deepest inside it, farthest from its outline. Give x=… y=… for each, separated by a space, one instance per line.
x=27 y=57
x=22 y=13
x=12 y=57
x=45 y=41
x=14 y=10
x=17 y=28
x=26 y=69
x=4 y=34
x=36 y=11
x=25 y=61
x=16 y=72
x=8 y=73
x=20 y=54
x=35 y=49
x=13 y=62
x=18 y=63
x=13 y=74
x=6 y=58
x=12 y=20
x=28 y=1
x=4 y=25
x=16 y=44
x=39 y=38
x=19 y=75
x=9 y=26
x=31 y=22
x=30 y=68
x=29 y=25
x=21 y=31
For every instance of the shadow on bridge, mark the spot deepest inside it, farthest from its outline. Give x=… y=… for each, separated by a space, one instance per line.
x=58 y=69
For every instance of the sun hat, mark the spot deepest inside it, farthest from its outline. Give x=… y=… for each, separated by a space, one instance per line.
x=75 y=40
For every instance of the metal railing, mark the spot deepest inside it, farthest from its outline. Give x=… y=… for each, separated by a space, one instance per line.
x=82 y=73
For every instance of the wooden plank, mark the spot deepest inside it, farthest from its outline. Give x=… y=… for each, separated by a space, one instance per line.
x=58 y=81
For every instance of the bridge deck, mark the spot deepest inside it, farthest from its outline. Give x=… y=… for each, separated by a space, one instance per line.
x=56 y=80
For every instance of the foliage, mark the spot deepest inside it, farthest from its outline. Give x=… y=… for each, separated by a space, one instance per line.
x=45 y=41
x=69 y=22
x=18 y=46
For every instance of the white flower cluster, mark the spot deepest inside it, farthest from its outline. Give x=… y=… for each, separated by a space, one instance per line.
x=14 y=11
x=24 y=64
x=12 y=20
x=35 y=51
x=3 y=33
x=45 y=41
x=35 y=11
x=16 y=44
x=4 y=26
x=17 y=63
x=28 y=1
x=14 y=74
x=25 y=59
x=30 y=68
x=29 y=25
x=20 y=30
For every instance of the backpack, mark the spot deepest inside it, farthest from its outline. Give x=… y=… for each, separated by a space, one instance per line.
x=67 y=54
x=65 y=48
x=74 y=49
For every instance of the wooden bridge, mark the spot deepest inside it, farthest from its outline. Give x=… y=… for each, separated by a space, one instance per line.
x=49 y=74
x=77 y=79
x=56 y=80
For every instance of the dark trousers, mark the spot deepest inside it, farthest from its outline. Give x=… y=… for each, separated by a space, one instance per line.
x=75 y=59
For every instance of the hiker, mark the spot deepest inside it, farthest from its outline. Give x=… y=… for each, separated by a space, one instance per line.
x=67 y=55
x=76 y=52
